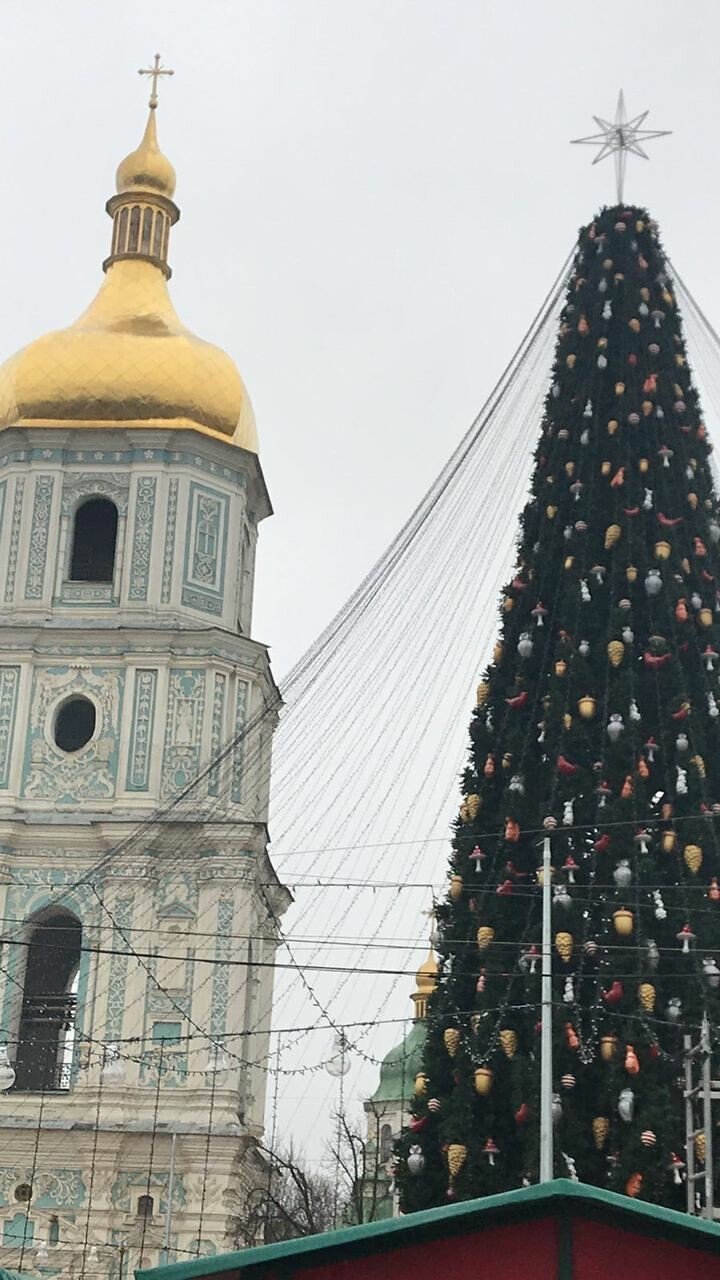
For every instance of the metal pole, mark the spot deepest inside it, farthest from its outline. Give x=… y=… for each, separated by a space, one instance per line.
x=705 y=1043
x=546 y=1064
x=168 y=1207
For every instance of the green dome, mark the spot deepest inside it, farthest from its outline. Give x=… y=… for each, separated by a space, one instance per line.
x=401 y=1065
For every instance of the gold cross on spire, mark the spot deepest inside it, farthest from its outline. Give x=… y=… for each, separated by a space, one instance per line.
x=156 y=71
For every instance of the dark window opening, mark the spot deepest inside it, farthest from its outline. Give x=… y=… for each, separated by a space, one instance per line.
x=145 y=1206
x=47 y=1020
x=54 y=1231
x=146 y=230
x=74 y=724
x=94 y=539
x=122 y=231
x=158 y=235
x=134 y=229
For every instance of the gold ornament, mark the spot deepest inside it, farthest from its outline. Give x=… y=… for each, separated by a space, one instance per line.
x=456 y=885
x=485 y=935
x=692 y=857
x=601 y=1129
x=612 y=426
x=613 y=534
x=616 y=652
x=508 y=1042
x=631 y=573
x=693 y=500
x=634 y=324
x=705 y=618
x=662 y=550
x=421 y=1084
x=646 y=995
x=619 y=388
x=456 y=1157
x=451 y=1040
x=647 y=408
x=667 y=841
x=564 y=945
x=685 y=565
x=498 y=651
x=567 y=720
x=483 y=690
x=643 y=465
x=560 y=667
x=698 y=764
x=474 y=804
x=700 y=1147
x=608 y=1046
x=587 y=706
x=605 y=468
x=483 y=1080
x=551 y=512
x=569 y=562
x=623 y=922
x=569 y=468
x=570 y=361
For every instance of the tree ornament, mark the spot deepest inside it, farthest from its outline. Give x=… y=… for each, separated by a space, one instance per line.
x=562 y=897
x=677 y=1165
x=673 y=1009
x=641 y=840
x=653 y=954
x=632 y=1066
x=568 y=814
x=571 y=1036
x=623 y=922
x=700 y=1146
x=616 y=727
x=622 y=875
x=435 y=1105
x=608 y=1046
x=616 y=651
x=451 y=1040
x=560 y=668
x=631 y=573
x=456 y=887
x=681 y=742
x=512 y=831
x=421 y=1084
x=714 y=890
x=653 y=582
x=705 y=618
x=692 y=857
x=686 y=936
x=567 y=1081
x=564 y=945
x=483 y=690
x=415 y=1160
x=646 y=995
x=634 y=1184
x=490 y=1150
x=485 y=936
x=569 y=991
x=600 y=1129
x=456 y=1157
x=613 y=533
x=711 y=972
x=662 y=550
x=508 y=1042
x=484 y=1078
x=525 y=645
x=668 y=840
x=681 y=782
x=648 y=1138
x=634 y=711
x=556 y=1108
x=626 y=1105
x=660 y=912
x=587 y=707
x=614 y=994
x=628 y=788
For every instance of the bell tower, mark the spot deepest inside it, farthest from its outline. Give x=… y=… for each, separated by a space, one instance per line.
x=139 y=902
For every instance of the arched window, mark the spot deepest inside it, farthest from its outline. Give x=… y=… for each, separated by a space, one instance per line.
x=145 y=1207
x=386 y=1142
x=54 y=1230
x=134 y=236
x=47 y=1020
x=94 y=539
x=146 y=230
x=158 y=235
x=122 y=231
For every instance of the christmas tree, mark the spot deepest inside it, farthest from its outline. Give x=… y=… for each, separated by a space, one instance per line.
x=596 y=725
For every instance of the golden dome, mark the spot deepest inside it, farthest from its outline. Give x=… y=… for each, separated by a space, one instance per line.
x=426 y=979
x=128 y=361
x=147 y=169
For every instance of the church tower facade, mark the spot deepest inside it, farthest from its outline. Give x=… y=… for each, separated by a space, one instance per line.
x=139 y=904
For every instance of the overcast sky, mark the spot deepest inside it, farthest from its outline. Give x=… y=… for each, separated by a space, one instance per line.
x=375 y=197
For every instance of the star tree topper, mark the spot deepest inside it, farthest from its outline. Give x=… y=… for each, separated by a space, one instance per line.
x=619 y=136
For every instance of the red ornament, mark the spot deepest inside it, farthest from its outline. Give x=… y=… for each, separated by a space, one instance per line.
x=571 y=1036
x=632 y=1066
x=655 y=660
x=614 y=994
x=714 y=890
x=417 y=1123
x=618 y=479
x=518 y=701
x=631 y=511
x=700 y=548
x=512 y=830
x=667 y=522
x=522 y=1115
x=602 y=844
x=566 y=767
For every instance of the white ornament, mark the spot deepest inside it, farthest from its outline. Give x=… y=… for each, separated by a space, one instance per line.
x=568 y=993
x=711 y=972
x=585 y=591
x=673 y=1011
x=712 y=707
x=556 y=1108
x=525 y=645
x=660 y=912
x=568 y=814
x=626 y=1105
x=516 y=784
x=653 y=954
x=583 y=648
x=588 y=410
x=647 y=500
x=628 y=635
x=622 y=875
x=607 y=311
x=634 y=712
x=415 y=1160
x=681 y=784
x=585 y=438
x=653 y=582
x=562 y=897
x=615 y=727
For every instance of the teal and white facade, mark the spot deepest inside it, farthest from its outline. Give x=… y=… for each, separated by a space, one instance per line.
x=140 y=912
